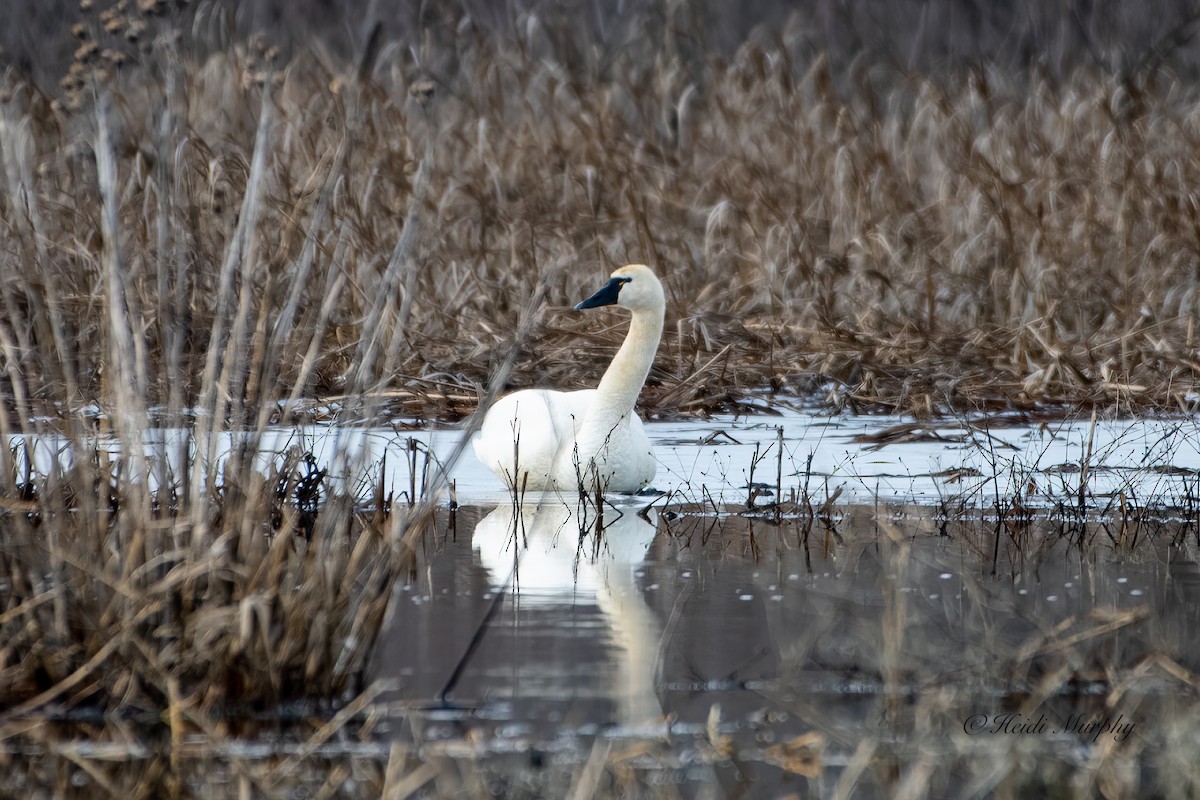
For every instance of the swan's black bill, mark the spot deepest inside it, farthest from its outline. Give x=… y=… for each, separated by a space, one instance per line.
x=606 y=296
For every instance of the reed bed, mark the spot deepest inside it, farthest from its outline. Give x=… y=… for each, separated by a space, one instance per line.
x=306 y=228
x=200 y=232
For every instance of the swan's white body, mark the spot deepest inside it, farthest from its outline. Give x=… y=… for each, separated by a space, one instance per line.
x=554 y=554
x=540 y=439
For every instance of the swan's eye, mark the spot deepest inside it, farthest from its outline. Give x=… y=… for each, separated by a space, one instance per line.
x=625 y=280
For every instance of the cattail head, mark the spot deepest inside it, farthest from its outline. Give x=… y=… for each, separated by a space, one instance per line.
x=422 y=91
x=86 y=52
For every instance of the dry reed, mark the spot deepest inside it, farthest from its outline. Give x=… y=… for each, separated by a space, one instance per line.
x=198 y=233
x=987 y=239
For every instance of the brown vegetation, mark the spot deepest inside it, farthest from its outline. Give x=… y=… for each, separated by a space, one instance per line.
x=909 y=242
x=204 y=233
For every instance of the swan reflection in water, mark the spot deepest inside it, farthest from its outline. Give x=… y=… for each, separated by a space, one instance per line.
x=560 y=561
x=549 y=621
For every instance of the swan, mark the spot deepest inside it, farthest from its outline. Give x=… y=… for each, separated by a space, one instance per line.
x=542 y=439
x=552 y=556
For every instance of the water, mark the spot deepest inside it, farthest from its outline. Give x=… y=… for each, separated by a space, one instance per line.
x=726 y=649
x=922 y=635
x=896 y=460
x=860 y=458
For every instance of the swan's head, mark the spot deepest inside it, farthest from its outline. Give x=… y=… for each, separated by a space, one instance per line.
x=633 y=287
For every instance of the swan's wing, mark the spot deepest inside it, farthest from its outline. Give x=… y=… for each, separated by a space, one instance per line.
x=575 y=405
x=629 y=454
x=527 y=430
x=642 y=450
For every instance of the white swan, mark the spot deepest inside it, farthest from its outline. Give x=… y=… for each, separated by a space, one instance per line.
x=541 y=439
x=552 y=555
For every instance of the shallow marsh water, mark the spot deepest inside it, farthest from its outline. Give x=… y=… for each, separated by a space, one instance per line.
x=864 y=459
x=705 y=651
x=915 y=635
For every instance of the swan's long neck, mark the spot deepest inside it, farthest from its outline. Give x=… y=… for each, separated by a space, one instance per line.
x=622 y=382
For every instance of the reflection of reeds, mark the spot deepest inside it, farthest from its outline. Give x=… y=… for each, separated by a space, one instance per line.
x=861 y=663
x=924 y=628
